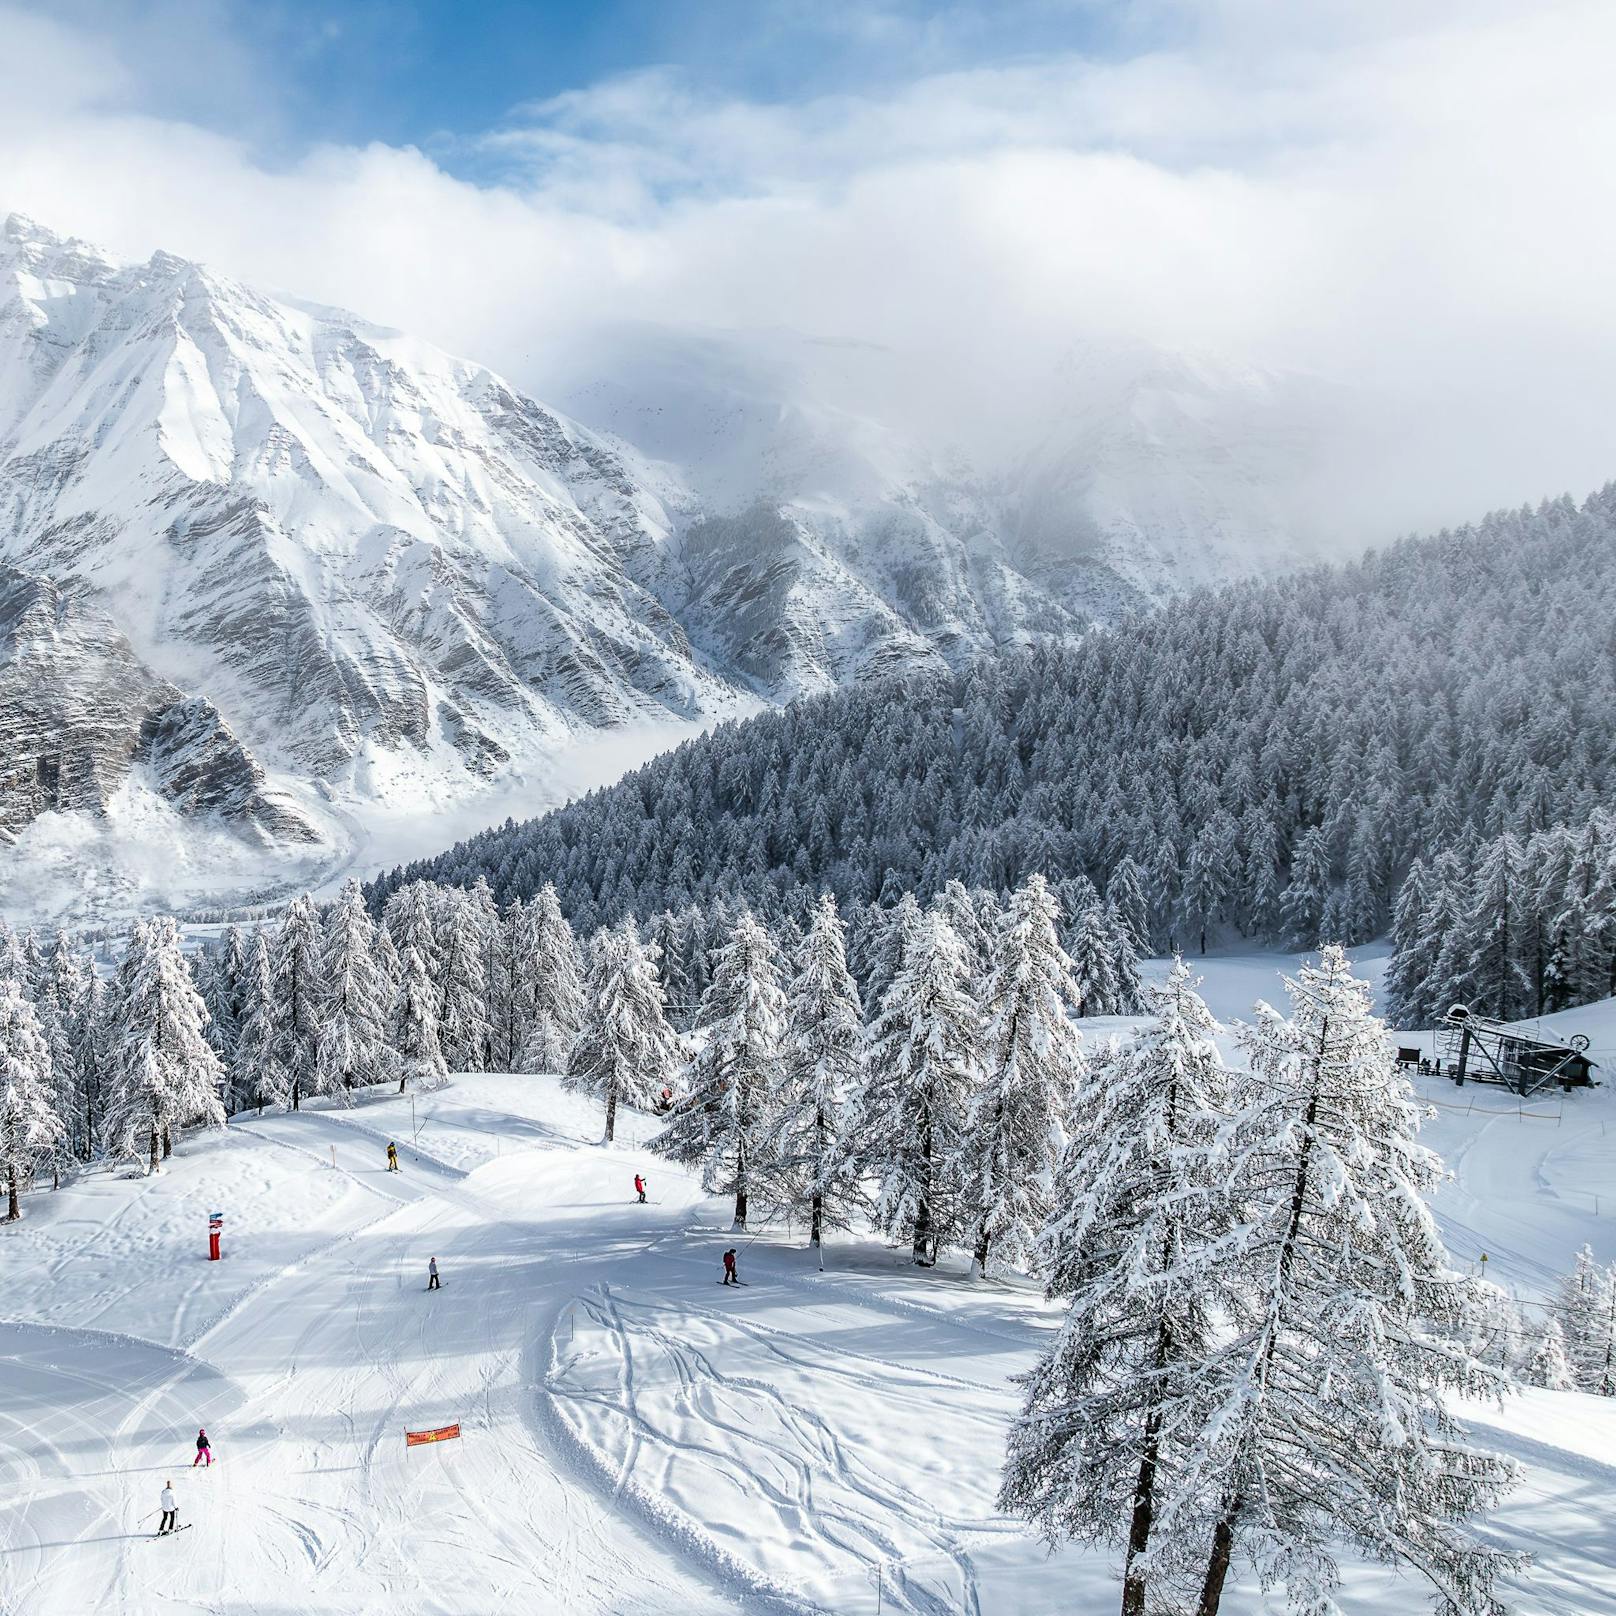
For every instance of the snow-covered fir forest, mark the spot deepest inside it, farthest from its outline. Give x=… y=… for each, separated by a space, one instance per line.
x=1261 y=1328
x=1275 y=758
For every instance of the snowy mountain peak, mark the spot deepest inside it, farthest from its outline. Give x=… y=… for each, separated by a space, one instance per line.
x=390 y=572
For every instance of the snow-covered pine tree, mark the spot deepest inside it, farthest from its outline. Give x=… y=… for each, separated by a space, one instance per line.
x=31 y=1131
x=1599 y=1355
x=1576 y=1306
x=1130 y=993
x=480 y=900
x=1142 y=1204
x=414 y=1024
x=1031 y=1068
x=462 y=983
x=299 y=965
x=1301 y=906
x=890 y=932
x=258 y=1075
x=353 y=1027
x=1548 y=1364
x=1406 y=971
x=164 y=1073
x=64 y=1077
x=1094 y=965
x=221 y=993
x=1125 y=892
x=1497 y=981
x=411 y=922
x=906 y=1127
x=1327 y=1421
x=510 y=991
x=89 y=1030
x=721 y=1121
x=821 y=1065
x=72 y=985
x=557 y=1009
x=625 y=1052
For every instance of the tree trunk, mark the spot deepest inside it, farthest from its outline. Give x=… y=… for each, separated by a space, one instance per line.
x=1217 y=1568
x=152 y=1166
x=923 y=1204
x=168 y=1143
x=13 y=1202
x=1203 y=940
x=983 y=1241
x=297 y=1091
x=611 y=1113
x=740 y=1207
x=816 y=1220
x=1144 y=1507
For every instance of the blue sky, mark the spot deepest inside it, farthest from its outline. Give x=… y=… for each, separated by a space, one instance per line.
x=437 y=74
x=1410 y=198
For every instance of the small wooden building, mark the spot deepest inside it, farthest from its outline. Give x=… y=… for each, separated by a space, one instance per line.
x=1482 y=1050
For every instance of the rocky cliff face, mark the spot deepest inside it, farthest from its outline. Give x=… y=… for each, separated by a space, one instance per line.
x=79 y=711
x=290 y=565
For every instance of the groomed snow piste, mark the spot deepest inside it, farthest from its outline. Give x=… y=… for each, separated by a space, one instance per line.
x=634 y=1437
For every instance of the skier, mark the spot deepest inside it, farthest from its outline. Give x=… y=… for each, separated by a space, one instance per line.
x=392 y=1157
x=204 y=1454
x=432 y=1276
x=639 y=1187
x=730 y=1276
x=171 y=1510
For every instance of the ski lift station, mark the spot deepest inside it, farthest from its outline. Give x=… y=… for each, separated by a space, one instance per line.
x=1478 y=1049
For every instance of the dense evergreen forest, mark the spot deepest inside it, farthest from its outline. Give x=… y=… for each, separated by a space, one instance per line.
x=1268 y=757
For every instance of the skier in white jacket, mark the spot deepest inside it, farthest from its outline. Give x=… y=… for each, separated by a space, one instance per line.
x=171 y=1510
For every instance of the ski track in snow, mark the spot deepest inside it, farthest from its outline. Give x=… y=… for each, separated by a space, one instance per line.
x=633 y=1442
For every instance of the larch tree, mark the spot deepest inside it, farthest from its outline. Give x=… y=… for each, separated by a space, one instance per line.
x=1576 y=1307
x=298 y=960
x=1031 y=1068
x=721 y=1122
x=258 y=1075
x=352 y=1047
x=31 y=1131
x=1094 y=964
x=625 y=1053
x=1548 y=1364
x=1143 y=1205
x=556 y=1010
x=1327 y=1420
x=221 y=993
x=463 y=983
x=414 y=1024
x=907 y=1125
x=164 y=1072
x=821 y=1062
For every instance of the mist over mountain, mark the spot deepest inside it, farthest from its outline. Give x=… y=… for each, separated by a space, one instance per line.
x=397 y=585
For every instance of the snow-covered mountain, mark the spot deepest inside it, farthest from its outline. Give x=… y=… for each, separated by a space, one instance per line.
x=370 y=573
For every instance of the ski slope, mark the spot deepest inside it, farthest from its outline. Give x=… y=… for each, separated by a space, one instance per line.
x=635 y=1438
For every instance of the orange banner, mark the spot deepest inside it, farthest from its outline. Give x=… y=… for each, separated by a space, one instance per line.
x=413 y=1439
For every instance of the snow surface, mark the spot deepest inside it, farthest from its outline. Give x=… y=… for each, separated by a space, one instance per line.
x=635 y=1437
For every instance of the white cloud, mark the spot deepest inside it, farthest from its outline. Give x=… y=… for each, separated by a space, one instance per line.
x=1413 y=200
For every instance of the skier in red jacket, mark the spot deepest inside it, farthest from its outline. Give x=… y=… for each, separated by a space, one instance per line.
x=730 y=1276
x=639 y=1186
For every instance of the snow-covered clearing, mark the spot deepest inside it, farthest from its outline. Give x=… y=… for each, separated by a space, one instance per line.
x=636 y=1438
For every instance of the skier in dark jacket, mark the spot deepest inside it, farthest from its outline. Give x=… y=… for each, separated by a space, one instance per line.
x=639 y=1186
x=730 y=1276
x=204 y=1454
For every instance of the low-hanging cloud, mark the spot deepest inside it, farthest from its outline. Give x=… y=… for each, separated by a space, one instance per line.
x=1412 y=202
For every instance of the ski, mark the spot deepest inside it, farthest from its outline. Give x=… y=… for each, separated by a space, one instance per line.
x=174 y=1531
